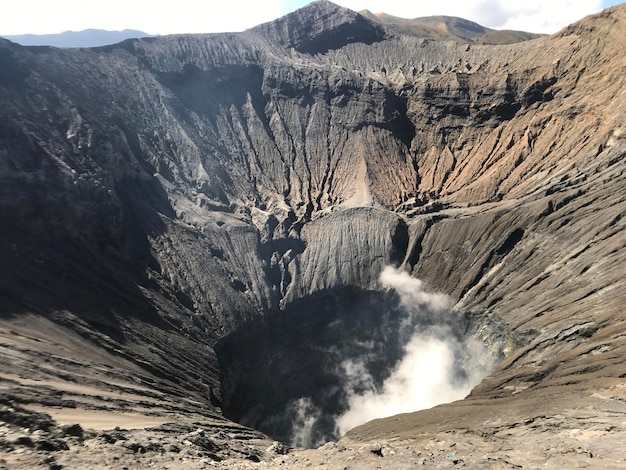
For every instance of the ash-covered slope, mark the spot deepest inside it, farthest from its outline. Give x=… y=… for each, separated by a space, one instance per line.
x=159 y=194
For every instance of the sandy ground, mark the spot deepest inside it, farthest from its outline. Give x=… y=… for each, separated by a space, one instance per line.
x=99 y=420
x=51 y=383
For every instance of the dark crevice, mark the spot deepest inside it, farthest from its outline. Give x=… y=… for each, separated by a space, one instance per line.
x=400 y=242
x=415 y=249
x=513 y=239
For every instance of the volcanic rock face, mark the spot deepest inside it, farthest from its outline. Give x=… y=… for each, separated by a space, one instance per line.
x=161 y=194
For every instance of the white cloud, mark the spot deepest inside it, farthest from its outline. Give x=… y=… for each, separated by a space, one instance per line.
x=539 y=16
x=181 y=16
x=195 y=16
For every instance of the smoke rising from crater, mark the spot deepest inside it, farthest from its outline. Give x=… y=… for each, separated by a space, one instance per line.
x=411 y=290
x=375 y=356
x=306 y=415
x=437 y=366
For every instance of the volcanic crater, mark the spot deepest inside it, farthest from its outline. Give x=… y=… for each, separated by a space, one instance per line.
x=208 y=239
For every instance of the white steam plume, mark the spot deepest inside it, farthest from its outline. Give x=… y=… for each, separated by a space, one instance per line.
x=411 y=291
x=306 y=415
x=428 y=373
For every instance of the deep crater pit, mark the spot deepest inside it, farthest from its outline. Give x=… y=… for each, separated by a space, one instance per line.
x=338 y=358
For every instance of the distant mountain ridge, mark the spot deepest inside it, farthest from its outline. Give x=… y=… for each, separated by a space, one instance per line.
x=85 y=38
x=446 y=28
x=449 y=28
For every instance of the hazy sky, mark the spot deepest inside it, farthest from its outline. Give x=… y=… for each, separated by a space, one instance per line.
x=203 y=16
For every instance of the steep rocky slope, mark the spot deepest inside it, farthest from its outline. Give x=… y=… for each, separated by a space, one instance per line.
x=166 y=198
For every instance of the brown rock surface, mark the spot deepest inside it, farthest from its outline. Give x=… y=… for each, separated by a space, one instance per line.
x=160 y=194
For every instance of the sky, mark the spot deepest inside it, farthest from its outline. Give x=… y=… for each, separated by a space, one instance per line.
x=206 y=16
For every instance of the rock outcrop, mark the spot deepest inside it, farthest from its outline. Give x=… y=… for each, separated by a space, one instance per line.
x=160 y=194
